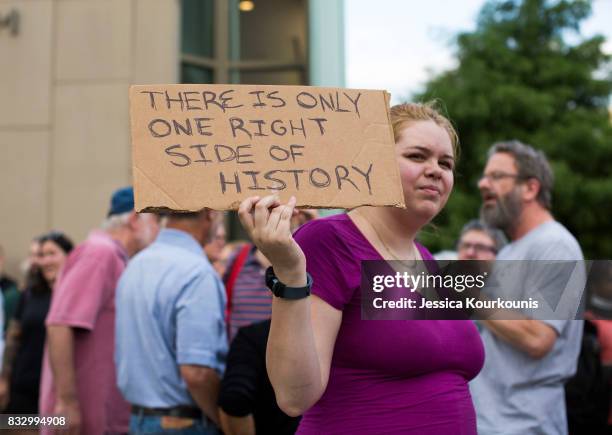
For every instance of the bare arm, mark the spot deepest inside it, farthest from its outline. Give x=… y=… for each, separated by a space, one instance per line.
x=237 y=425
x=533 y=337
x=13 y=337
x=60 y=342
x=203 y=384
x=299 y=352
x=303 y=332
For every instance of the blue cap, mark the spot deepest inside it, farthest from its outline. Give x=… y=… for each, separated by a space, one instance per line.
x=122 y=201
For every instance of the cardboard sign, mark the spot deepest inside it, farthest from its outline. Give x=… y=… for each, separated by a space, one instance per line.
x=196 y=146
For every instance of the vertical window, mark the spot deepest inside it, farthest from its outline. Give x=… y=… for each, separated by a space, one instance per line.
x=254 y=42
x=225 y=42
x=197 y=41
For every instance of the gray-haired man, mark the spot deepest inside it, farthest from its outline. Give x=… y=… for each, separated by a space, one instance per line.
x=520 y=388
x=78 y=377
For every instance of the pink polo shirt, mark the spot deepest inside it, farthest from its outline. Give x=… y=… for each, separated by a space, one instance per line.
x=84 y=299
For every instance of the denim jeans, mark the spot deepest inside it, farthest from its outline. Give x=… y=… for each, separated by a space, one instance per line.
x=156 y=425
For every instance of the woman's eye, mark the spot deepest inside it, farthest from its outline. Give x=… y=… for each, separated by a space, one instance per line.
x=415 y=156
x=446 y=164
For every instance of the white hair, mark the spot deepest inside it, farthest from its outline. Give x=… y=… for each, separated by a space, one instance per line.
x=116 y=221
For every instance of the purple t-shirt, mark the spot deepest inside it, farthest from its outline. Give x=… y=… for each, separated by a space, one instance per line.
x=387 y=376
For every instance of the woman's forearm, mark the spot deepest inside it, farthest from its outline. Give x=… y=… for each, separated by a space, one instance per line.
x=292 y=357
x=13 y=334
x=303 y=332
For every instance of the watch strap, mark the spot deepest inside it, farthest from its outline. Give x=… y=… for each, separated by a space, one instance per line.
x=285 y=292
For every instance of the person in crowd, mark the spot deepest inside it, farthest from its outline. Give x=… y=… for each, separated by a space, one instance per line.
x=32 y=260
x=171 y=340
x=10 y=292
x=25 y=338
x=227 y=255
x=2 y=325
x=78 y=377
x=214 y=247
x=589 y=392
x=29 y=266
x=346 y=375
x=247 y=402
x=30 y=269
x=247 y=405
x=248 y=299
x=478 y=241
x=520 y=388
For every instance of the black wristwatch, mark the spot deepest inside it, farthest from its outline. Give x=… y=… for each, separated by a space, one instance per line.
x=282 y=291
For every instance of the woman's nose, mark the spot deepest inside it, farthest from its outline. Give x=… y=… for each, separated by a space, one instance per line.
x=433 y=169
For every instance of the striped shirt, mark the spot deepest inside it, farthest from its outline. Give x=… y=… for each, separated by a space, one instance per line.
x=251 y=299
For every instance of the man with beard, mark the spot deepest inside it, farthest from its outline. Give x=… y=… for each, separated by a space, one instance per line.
x=171 y=335
x=520 y=388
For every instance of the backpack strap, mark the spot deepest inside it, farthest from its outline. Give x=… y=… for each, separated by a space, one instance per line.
x=235 y=270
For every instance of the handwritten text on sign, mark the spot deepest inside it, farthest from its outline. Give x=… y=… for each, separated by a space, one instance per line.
x=200 y=146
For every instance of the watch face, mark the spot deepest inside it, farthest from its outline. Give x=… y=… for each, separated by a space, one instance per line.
x=278 y=289
x=271 y=279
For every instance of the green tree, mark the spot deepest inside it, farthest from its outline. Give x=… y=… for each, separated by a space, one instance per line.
x=520 y=76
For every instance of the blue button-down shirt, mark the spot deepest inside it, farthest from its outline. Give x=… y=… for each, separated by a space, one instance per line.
x=170 y=311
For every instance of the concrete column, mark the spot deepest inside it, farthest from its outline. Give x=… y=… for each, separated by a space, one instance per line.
x=326 y=42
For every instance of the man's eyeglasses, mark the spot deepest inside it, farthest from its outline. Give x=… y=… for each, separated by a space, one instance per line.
x=498 y=176
x=478 y=247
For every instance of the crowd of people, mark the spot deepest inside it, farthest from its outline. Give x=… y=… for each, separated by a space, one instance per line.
x=154 y=324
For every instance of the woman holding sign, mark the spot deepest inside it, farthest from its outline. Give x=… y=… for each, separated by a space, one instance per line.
x=347 y=375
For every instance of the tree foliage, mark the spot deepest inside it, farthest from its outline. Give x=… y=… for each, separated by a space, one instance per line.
x=527 y=73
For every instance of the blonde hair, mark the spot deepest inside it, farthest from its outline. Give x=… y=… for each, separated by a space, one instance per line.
x=404 y=114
